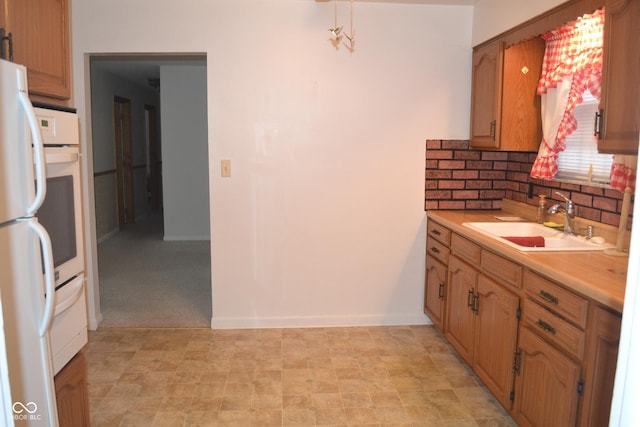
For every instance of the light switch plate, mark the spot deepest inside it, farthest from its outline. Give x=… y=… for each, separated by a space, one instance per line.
x=225 y=168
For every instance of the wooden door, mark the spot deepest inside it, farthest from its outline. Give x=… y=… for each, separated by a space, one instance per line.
x=40 y=31
x=495 y=339
x=461 y=283
x=486 y=96
x=124 y=166
x=546 y=392
x=435 y=291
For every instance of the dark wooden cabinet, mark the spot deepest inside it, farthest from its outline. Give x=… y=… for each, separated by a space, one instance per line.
x=72 y=395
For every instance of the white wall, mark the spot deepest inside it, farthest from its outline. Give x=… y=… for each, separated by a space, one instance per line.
x=322 y=221
x=492 y=17
x=185 y=170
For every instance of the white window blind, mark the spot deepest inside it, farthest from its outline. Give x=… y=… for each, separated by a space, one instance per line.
x=580 y=161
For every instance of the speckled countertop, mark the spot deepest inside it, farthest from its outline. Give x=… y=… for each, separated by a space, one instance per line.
x=595 y=275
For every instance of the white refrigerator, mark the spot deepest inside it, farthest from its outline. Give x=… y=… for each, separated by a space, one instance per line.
x=27 y=291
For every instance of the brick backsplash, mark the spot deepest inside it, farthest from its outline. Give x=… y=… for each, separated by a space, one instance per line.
x=457 y=177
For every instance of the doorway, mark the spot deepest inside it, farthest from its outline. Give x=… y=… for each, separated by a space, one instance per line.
x=124 y=166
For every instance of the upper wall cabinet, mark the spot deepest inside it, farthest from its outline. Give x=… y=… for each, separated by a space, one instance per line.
x=505 y=110
x=620 y=102
x=40 y=39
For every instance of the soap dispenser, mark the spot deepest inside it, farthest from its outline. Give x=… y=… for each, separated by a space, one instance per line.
x=542 y=210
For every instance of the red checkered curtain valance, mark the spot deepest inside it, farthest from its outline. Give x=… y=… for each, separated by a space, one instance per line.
x=572 y=64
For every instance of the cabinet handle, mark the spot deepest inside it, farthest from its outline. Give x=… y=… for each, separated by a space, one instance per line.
x=492 y=130
x=476 y=303
x=470 y=298
x=549 y=297
x=9 y=39
x=545 y=326
x=435 y=232
x=441 y=290
x=597 y=124
x=435 y=250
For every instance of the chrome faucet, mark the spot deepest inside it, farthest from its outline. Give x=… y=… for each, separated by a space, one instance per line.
x=569 y=211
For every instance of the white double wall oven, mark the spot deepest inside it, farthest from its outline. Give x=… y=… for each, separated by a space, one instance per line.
x=61 y=216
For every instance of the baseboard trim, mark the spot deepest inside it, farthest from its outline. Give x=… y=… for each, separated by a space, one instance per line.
x=317 y=321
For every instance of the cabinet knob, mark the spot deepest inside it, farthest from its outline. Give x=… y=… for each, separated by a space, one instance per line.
x=434 y=250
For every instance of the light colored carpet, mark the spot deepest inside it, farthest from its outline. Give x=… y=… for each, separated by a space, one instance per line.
x=148 y=282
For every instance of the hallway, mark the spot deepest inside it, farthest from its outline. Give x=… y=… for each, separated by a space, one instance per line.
x=148 y=282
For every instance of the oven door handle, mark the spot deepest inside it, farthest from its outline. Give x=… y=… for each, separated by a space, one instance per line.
x=38 y=146
x=63 y=305
x=60 y=158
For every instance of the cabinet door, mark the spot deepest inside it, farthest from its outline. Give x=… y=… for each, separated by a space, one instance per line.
x=600 y=366
x=546 y=393
x=620 y=78
x=461 y=283
x=486 y=94
x=72 y=395
x=435 y=291
x=521 y=128
x=495 y=341
x=45 y=51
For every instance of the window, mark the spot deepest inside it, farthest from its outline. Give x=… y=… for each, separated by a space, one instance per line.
x=580 y=162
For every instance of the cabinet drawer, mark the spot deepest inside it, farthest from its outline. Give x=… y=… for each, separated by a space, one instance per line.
x=439 y=232
x=508 y=272
x=437 y=250
x=557 y=299
x=554 y=329
x=465 y=249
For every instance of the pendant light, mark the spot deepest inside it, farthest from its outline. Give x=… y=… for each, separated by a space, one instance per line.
x=336 y=30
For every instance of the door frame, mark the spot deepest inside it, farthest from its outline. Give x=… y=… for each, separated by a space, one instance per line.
x=123 y=156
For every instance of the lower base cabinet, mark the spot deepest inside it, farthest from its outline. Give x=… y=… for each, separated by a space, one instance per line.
x=72 y=395
x=546 y=392
x=547 y=353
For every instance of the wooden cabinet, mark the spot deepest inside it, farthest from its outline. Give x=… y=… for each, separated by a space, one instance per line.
x=435 y=287
x=546 y=392
x=72 y=395
x=603 y=331
x=620 y=100
x=547 y=353
x=40 y=37
x=460 y=317
x=568 y=352
x=481 y=318
x=505 y=109
x=486 y=88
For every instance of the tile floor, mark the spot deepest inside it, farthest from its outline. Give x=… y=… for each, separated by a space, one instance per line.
x=361 y=376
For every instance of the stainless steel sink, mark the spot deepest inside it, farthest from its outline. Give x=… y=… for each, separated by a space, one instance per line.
x=533 y=237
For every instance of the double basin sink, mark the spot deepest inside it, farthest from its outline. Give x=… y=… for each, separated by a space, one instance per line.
x=534 y=237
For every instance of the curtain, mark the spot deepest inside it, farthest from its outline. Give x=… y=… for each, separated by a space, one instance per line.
x=623 y=172
x=572 y=64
